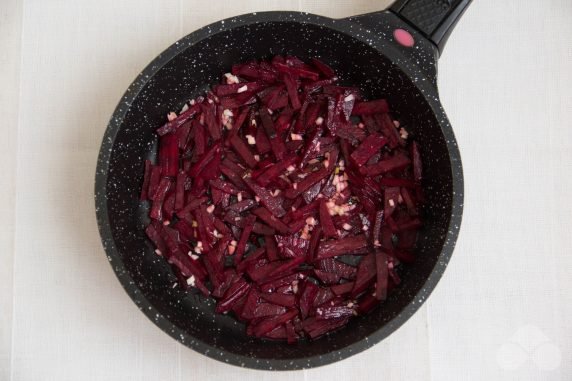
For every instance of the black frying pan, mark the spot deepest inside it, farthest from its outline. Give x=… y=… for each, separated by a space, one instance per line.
x=391 y=54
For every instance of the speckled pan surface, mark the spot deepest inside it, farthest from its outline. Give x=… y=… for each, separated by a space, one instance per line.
x=364 y=55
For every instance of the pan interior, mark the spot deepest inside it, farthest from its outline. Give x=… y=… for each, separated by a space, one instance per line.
x=188 y=75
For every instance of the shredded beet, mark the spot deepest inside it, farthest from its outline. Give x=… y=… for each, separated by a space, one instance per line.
x=291 y=200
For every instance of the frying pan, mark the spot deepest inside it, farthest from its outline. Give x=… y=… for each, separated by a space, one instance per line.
x=391 y=54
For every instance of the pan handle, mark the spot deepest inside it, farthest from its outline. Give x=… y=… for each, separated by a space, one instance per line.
x=435 y=19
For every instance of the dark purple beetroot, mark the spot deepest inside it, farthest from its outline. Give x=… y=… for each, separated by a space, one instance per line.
x=327 y=278
x=280 y=299
x=343 y=246
x=152 y=231
x=292 y=246
x=271 y=247
x=275 y=170
x=271 y=202
x=327 y=71
x=328 y=228
x=265 y=215
x=382 y=275
x=278 y=283
x=366 y=274
x=369 y=147
x=394 y=163
x=334 y=312
x=267 y=310
x=416 y=158
x=342 y=288
x=146 y=179
x=316 y=328
x=204 y=160
x=274 y=154
x=268 y=325
x=169 y=155
x=241 y=247
x=232 y=295
x=180 y=190
x=333 y=266
x=173 y=125
x=379 y=106
x=158 y=198
x=154 y=181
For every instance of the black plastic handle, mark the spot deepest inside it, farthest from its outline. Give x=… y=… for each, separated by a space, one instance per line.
x=435 y=19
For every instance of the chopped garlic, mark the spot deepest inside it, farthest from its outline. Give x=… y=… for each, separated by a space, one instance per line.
x=391 y=202
x=251 y=140
x=194 y=256
x=200 y=244
x=349 y=98
x=242 y=89
x=191 y=281
x=338 y=187
x=239 y=196
x=319 y=121
x=227 y=112
x=230 y=79
x=403 y=133
x=185 y=108
x=194 y=224
x=295 y=287
x=257 y=157
x=257 y=198
x=295 y=185
x=396 y=123
x=231 y=249
x=233 y=242
x=347 y=226
x=291 y=168
x=158 y=252
x=171 y=116
x=296 y=136
x=210 y=209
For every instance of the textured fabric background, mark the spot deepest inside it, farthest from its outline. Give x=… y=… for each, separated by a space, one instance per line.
x=503 y=309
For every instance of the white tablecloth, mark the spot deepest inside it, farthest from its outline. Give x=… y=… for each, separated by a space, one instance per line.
x=503 y=309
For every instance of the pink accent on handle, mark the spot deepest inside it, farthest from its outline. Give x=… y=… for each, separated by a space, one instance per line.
x=404 y=38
